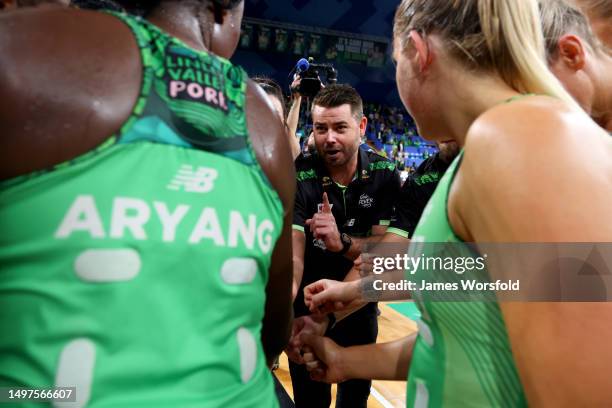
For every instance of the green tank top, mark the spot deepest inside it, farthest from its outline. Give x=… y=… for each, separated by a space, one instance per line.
x=462 y=356
x=137 y=271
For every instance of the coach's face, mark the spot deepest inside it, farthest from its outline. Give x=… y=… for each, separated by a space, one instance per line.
x=337 y=133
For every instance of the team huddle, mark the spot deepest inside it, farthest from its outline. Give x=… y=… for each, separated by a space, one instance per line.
x=164 y=240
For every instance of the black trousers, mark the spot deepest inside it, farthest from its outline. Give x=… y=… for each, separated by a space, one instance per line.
x=359 y=328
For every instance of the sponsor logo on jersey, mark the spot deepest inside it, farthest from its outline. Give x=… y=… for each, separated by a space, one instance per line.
x=320 y=207
x=318 y=243
x=194 y=77
x=190 y=180
x=365 y=201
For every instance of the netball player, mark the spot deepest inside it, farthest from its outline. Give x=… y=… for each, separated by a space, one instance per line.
x=146 y=199
x=578 y=59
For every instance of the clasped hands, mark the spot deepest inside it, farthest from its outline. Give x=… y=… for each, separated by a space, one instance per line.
x=321 y=355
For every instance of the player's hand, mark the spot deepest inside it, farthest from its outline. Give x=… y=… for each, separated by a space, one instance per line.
x=293 y=352
x=314 y=324
x=324 y=359
x=323 y=226
x=364 y=264
x=328 y=296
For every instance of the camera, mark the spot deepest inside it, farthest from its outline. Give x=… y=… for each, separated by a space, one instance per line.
x=311 y=83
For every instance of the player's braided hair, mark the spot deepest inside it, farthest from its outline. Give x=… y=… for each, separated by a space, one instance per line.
x=144 y=7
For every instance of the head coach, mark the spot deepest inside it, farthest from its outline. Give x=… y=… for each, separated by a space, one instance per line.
x=344 y=199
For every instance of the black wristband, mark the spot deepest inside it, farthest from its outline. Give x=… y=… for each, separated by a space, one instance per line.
x=346 y=244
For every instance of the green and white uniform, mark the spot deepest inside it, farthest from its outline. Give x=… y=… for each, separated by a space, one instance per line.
x=137 y=272
x=462 y=356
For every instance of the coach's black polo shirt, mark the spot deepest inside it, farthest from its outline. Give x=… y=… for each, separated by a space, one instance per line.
x=366 y=201
x=415 y=194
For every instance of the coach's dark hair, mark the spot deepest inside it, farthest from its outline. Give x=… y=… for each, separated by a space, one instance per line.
x=336 y=95
x=271 y=87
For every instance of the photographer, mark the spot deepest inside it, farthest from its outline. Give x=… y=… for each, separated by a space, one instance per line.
x=344 y=200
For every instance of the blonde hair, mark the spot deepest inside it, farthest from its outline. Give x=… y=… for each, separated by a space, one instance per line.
x=559 y=17
x=502 y=36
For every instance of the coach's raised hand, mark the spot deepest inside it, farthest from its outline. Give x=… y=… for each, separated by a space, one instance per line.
x=323 y=226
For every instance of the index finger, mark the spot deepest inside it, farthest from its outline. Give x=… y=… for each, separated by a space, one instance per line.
x=326 y=206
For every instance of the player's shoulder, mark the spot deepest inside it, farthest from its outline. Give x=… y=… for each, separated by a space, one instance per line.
x=70 y=28
x=373 y=156
x=54 y=43
x=511 y=141
x=376 y=160
x=523 y=124
x=306 y=165
x=378 y=166
x=86 y=60
x=427 y=165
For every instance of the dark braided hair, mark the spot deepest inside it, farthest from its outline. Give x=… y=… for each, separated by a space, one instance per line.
x=97 y=5
x=145 y=7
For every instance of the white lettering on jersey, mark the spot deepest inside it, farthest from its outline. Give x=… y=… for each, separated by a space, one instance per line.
x=207 y=227
x=264 y=235
x=168 y=220
x=81 y=216
x=132 y=214
x=237 y=226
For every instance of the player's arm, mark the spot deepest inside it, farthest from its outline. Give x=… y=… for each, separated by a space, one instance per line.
x=504 y=195
x=299 y=246
x=298 y=236
x=272 y=151
x=343 y=298
x=358 y=245
x=331 y=363
x=363 y=268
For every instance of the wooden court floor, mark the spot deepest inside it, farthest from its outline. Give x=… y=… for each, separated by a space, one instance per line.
x=385 y=394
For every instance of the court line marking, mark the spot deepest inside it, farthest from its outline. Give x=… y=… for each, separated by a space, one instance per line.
x=382 y=400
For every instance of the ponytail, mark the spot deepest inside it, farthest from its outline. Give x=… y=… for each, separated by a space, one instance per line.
x=513 y=34
x=503 y=36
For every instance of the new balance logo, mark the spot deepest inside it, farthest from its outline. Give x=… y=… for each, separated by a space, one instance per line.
x=190 y=180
